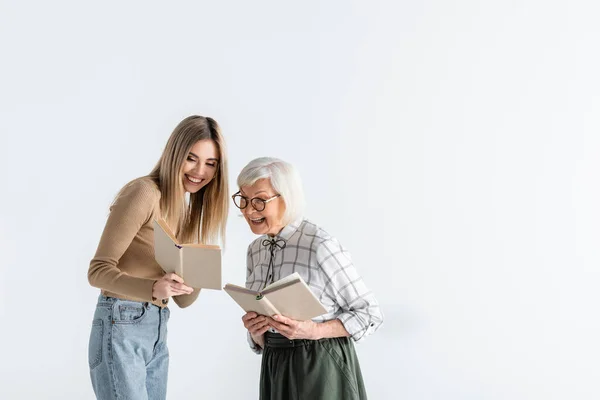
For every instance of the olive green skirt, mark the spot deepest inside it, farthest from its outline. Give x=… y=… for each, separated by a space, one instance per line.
x=310 y=369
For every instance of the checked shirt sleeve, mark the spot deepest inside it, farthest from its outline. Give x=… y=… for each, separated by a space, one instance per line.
x=249 y=267
x=361 y=315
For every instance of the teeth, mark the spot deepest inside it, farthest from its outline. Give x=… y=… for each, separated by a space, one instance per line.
x=194 y=179
x=257 y=220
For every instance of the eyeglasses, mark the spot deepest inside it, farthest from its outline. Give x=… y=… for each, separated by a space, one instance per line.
x=257 y=203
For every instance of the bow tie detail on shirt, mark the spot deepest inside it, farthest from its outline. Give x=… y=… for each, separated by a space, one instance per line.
x=272 y=244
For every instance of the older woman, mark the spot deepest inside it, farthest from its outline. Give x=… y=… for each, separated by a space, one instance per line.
x=313 y=359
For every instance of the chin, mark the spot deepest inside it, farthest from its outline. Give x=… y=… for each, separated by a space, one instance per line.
x=257 y=230
x=192 y=190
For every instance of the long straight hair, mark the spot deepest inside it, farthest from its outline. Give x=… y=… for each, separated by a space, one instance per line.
x=202 y=219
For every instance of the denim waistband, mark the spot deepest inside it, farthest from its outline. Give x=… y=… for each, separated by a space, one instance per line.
x=112 y=300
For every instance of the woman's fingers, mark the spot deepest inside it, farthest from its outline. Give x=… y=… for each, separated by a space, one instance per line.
x=173 y=277
x=249 y=315
x=259 y=330
x=255 y=324
x=181 y=288
x=278 y=326
x=262 y=330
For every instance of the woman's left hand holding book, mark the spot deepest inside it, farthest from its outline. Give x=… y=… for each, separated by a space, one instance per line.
x=169 y=285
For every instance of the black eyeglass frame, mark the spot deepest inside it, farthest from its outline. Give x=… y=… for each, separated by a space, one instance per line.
x=253 y=201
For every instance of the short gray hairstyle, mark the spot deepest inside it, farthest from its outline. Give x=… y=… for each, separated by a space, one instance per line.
x=284 y=179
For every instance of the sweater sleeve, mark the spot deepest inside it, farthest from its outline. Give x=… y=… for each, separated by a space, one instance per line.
x=132 y=209
x=185 y=300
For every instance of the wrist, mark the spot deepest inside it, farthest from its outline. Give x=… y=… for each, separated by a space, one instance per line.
x=317 y=330
x=257 y=339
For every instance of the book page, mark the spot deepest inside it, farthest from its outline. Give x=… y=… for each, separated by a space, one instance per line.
x=237 y=288
x=296 y=301
x=166 y=251
x=282 y=282
x=165 y=228
x=249 y=302
x=202 y=267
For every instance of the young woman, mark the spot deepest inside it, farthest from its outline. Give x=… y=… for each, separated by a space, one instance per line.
x=128 y=355
x=313 y=359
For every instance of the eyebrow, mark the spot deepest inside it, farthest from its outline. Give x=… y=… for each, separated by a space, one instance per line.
x=209 y=159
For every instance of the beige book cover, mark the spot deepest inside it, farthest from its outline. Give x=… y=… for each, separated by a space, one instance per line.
x=289 y=296
x=199 y=265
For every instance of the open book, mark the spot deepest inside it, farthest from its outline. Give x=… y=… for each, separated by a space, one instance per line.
x=289 y=296
x=199 y=265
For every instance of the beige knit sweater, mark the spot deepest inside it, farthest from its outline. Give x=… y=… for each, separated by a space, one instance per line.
x=124 y=264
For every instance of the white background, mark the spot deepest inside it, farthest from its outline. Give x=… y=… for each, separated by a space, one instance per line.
x=451 y=146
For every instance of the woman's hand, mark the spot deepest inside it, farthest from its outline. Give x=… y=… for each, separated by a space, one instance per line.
x=170 y=285
x=292 y=329
x=257 y=325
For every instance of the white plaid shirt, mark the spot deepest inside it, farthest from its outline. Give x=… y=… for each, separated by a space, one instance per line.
x=326 y=267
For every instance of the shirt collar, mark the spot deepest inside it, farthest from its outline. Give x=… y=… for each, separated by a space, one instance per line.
x=288 y=230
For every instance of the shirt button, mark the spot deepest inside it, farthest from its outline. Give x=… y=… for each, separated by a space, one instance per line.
x=164 y=301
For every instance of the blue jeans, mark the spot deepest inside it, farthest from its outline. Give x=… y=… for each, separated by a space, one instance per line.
x=128 y=354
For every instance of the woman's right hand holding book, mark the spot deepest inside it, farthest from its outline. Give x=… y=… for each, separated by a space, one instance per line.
x=169 y=285
x=257 y=325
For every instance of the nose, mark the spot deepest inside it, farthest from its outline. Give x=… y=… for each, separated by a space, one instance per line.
x=250 y=212
x=200 y=170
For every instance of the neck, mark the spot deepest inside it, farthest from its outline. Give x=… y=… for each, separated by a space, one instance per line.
x=275 y=231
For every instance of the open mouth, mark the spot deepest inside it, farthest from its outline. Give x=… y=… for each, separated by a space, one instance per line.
x=257 y=221
x=193 y=180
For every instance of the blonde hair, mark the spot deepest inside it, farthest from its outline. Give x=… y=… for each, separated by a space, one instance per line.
x=203 y=218
x=284 y=179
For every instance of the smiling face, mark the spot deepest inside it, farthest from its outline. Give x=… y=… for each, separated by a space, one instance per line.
x=270 y=220
x=200 y=166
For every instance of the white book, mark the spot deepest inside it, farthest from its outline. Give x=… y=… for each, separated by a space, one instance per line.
x=199 y=265
x=289 y=296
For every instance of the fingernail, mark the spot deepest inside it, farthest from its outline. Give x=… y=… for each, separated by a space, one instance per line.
x=275 y=317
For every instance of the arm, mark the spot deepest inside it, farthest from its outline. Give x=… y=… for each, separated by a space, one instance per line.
x=361 y=315
x=330 y=329
x=132 y=209
x=255 y=324
x=185 y=300
x=293 y=329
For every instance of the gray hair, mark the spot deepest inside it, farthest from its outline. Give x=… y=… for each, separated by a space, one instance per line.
x=284 y=179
